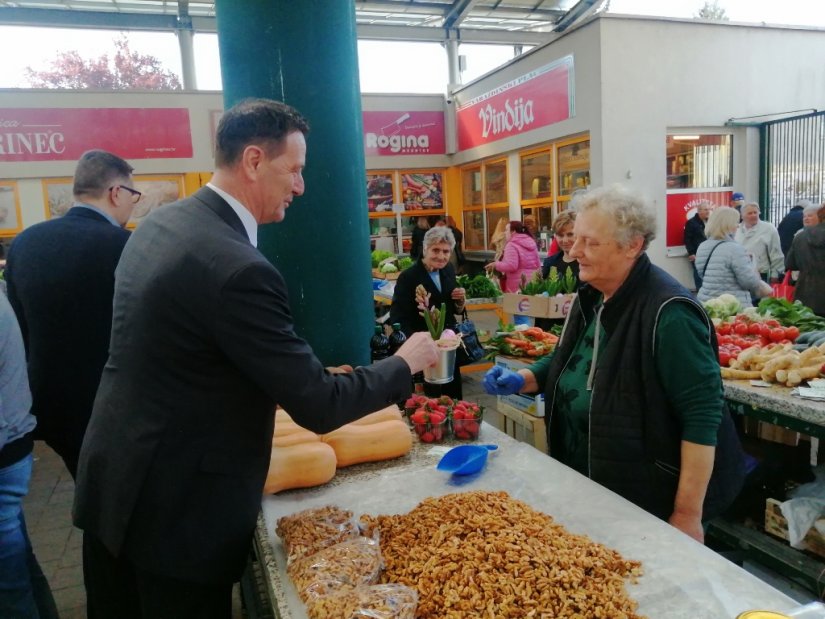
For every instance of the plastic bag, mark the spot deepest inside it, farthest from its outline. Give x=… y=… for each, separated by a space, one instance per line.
x=336 y=569
x=784 y=289
x=389 y=601
x=306 y=532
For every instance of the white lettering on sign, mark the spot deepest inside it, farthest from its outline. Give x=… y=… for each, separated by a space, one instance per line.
x=38 y=143
x=514 y=116
x=8 y=124
x=399 y=143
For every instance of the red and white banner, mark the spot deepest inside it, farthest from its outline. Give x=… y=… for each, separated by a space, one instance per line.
x=61 y=134
x=682 y=206
x=404 y=133
x=536 y=99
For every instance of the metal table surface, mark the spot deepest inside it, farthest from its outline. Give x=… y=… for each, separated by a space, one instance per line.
x=682 y=578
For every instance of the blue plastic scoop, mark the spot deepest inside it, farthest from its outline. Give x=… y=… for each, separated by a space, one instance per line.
x=465 y=459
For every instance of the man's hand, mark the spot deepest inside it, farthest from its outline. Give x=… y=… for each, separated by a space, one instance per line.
x=689 y=524
x=500 y=381
x=419 y=351
x=692 y=258
x=340 y=369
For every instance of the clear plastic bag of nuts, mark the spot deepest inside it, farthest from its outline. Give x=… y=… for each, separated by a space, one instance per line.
x=388 y=601
x=336 y=569
x=306 y=532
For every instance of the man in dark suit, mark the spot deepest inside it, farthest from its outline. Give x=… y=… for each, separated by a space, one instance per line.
x=791 y=224
x=434 y=272
x=203 y=348
x=695 y=236
x=61 y=277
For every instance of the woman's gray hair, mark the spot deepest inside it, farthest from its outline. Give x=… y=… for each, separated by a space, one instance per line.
x=809 y=208
x=722 y=221
x=439 y=234
x=628 y=210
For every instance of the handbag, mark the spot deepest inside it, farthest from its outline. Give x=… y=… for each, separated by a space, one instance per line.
x=783 y=290
x=471 y=350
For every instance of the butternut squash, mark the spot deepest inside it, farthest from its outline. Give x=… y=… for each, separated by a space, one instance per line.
x=385 y=414
x=383 y=440
x=287 y=427
x=282 y=415
x=294 y=438
x=300 y=466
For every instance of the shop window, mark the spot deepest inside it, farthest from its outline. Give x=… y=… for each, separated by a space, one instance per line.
x=422 y=191
x=536 y=177
x=380 y=194
x=497 y=218
x=699 y=161
x=573 y=167
x=495 y=182
x=471 y=187
x=474 y=229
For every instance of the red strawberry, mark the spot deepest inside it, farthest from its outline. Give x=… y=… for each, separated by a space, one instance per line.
x=445 y=400
x=427 y=437
x=437 y=417
x=410 y=403
x=462 y=435
x=438 y=432
x=471 y=426
x=419 y=417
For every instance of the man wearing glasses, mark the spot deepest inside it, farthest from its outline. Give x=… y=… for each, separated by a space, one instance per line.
x=60 y=276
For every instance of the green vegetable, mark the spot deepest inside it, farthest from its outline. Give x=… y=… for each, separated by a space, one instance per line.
x=791 y=314
x=389 y=267
x=552 y=285
x=378 y=255
x=722 y=306
x=478 y=287
x=405 y=263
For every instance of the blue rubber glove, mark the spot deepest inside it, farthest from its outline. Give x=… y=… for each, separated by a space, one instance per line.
x=501 y=381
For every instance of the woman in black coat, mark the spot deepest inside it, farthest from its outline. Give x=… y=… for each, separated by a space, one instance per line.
x=436 y=274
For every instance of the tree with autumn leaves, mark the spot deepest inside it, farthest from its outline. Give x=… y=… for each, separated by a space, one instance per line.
x=125 y=70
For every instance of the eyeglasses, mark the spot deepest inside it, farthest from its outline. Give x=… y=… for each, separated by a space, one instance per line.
x=135 y=193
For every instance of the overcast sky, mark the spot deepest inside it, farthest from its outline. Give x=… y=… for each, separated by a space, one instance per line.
x=384 y=67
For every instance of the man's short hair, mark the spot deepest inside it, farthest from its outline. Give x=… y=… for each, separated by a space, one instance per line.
x=96 y=171
x=261 y=122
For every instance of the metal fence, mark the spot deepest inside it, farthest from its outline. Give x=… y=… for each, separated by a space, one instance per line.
x=792 y=163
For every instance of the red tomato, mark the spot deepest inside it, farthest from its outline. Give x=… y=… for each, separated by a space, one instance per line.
x=742 y=318
x=777 y=334
x=792 y=333
x=765 y=330
x=755 y=328
x=724 y=358
x=772 y=323
x=723 y=328
x=741 y=328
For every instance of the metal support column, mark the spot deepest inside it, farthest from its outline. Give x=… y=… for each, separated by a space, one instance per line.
x=453 y=68
x=305 y=54
x=185 y=41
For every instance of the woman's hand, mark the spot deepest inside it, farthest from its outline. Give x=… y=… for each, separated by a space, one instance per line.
x=459 y=295
x=490 y=267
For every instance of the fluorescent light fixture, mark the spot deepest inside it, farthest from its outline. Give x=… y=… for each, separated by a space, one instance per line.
x=685 y=137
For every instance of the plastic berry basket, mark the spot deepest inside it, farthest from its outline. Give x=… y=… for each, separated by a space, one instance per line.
x=430 y=432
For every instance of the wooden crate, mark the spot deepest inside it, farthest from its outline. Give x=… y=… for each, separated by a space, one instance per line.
x=777 y=525
x=377 y=274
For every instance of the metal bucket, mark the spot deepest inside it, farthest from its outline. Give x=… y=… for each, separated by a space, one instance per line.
x=442 y=372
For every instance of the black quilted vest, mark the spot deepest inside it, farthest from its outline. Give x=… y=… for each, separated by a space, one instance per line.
x=635 y=434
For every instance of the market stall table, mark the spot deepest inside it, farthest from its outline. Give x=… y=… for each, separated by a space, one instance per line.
x=682 y=579
x=777 y=406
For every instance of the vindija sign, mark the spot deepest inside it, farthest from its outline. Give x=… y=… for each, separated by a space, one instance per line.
x=536 y=99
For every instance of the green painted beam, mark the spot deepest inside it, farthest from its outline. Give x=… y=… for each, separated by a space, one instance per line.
x=305 y=54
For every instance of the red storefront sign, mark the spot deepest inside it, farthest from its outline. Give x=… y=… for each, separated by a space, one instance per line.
x=404 y=133
x=536 y=99
x=682 y=206
x=60 y=134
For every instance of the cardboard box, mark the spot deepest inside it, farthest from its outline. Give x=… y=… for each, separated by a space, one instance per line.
x=537 y=305
x=777 y=525
x=377 y=274
x=530 y=404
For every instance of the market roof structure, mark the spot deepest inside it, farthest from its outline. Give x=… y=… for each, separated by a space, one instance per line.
x=528 y=22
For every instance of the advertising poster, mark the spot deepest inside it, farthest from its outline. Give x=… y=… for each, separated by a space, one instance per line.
x=63 y=134
x=680 y=208
x=537 y=99
x=10 y=220
x=404 y=133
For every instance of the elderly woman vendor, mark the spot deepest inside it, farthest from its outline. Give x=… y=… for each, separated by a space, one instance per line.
x=633 y=391
x=433 y=271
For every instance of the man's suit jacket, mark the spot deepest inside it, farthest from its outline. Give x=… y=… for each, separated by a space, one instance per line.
x=404 y=309
x=178 y=446
x=61 y=278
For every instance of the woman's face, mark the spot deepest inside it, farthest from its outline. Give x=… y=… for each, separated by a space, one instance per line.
x=750 y=216
x=809 y=219
x=436 y=256
x=565 y=238
x=603 y=263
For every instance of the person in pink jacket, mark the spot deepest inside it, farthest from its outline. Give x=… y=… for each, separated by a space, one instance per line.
x=520 y=259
